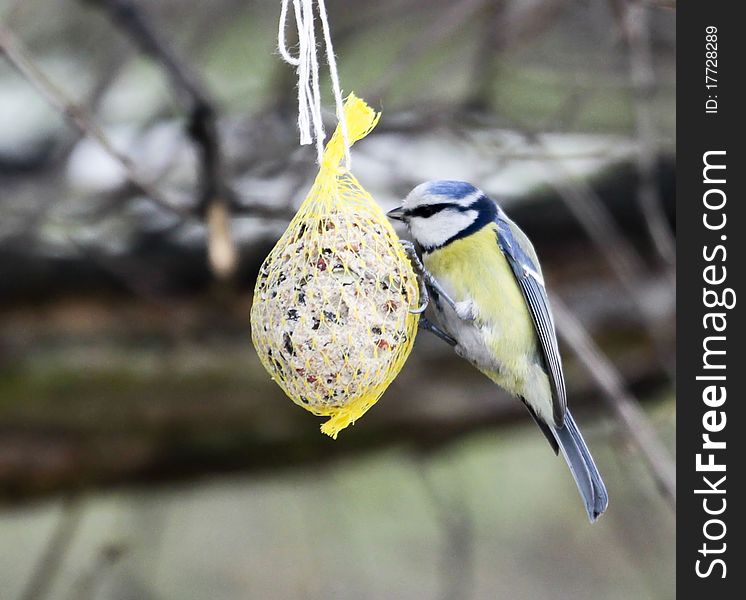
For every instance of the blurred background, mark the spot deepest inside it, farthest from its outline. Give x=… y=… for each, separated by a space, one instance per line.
x=149 y=161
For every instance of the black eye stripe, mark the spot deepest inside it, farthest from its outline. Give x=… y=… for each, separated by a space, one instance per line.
x=428 y=210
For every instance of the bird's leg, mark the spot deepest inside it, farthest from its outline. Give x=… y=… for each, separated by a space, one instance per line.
x=436 y=331
x=463 y=309
x=418 y=268
x=425 y=279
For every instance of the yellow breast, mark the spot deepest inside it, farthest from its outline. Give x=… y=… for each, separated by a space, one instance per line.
x=475 y=268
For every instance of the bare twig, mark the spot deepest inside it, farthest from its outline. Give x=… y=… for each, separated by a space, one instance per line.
x=498 y=30
x=221 y=250
x=636 y=28
x=626 y=409
x=212 y=202
x=623 y=258
x=78 y=116
x=457 y=526
x=444 y=26
x=489 y=46
x=110 y=70
x=130 y=18
x=42 y=577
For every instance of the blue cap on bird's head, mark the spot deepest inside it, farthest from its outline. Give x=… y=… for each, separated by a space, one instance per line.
x=456 y=190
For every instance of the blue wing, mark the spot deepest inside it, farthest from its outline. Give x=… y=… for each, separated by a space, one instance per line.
x=525 y=266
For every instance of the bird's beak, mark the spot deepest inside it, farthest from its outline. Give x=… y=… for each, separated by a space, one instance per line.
x=396 y=213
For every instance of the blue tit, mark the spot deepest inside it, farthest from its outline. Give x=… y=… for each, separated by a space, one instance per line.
x=490 y=302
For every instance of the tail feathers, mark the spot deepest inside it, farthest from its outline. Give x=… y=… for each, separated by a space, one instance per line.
x=587 y=477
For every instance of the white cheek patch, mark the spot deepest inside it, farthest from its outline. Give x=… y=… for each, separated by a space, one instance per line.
x=437 y=229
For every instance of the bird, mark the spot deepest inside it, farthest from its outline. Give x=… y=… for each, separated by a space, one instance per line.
x=487 y=292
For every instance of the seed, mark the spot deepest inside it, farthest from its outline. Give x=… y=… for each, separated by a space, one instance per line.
x=287 y=343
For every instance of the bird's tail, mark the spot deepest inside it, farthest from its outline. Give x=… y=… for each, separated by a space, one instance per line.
x=580 y=461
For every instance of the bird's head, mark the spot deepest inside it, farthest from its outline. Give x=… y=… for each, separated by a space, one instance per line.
x=440 y=212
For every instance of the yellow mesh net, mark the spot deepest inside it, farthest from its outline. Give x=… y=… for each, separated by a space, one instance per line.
x=331 y=317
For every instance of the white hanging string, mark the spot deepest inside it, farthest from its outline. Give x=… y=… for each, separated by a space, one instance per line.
x=310 y=122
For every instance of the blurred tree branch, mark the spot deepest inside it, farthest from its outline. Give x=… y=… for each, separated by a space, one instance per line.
x=623 y=258
x=444 y=25
x=213 y=201
x=49 y=563
x=79 y=117
x=457 y=530
x=104 y=427
x=635 y=25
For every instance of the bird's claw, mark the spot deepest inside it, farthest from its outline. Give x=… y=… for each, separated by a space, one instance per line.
x=419 y=270
x=408 y=246
x=464 y=310
x=422 y=307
